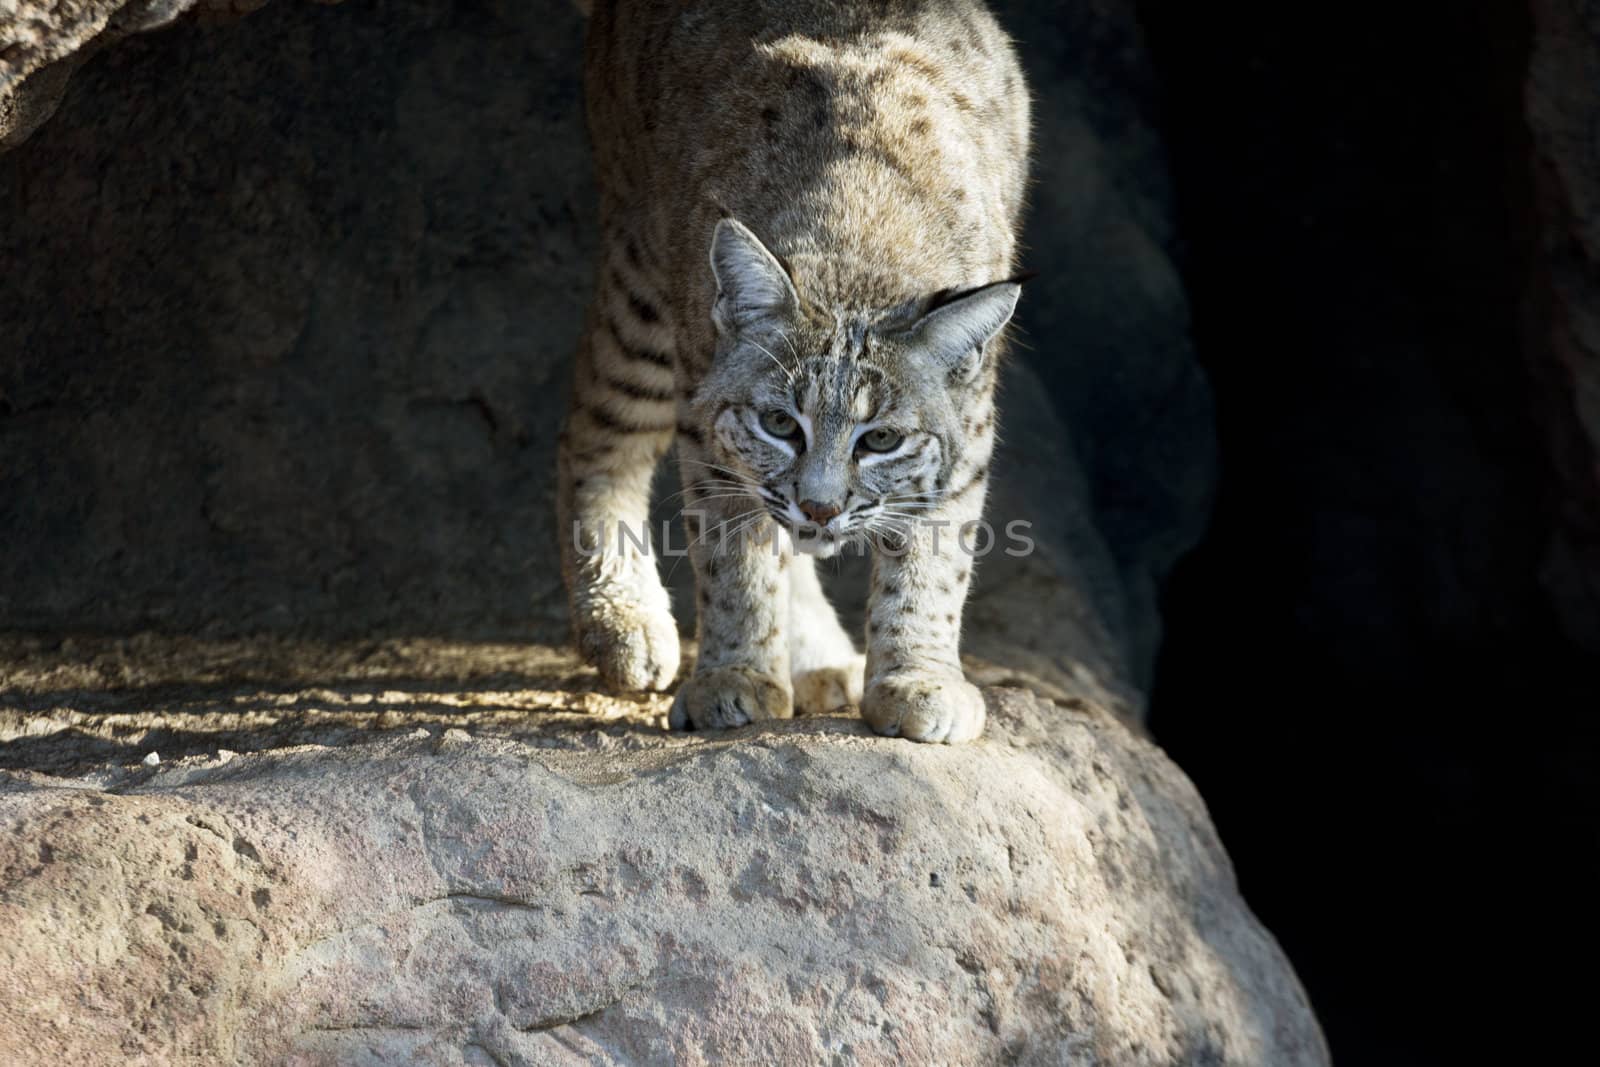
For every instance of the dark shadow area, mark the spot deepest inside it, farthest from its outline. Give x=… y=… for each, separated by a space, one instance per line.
x=1363 y=672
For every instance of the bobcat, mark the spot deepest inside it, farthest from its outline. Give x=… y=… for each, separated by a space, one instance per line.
x=808 y=215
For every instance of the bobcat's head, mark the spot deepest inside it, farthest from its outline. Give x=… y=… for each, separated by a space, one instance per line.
x=843 y=421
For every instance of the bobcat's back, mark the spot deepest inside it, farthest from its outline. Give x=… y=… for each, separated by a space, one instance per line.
x=878 y=145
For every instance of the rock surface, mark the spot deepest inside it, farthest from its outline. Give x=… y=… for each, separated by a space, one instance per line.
x=522 y=871
x=44 y=42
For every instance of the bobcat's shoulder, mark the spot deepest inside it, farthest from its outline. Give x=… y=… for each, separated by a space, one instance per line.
x=880 y=146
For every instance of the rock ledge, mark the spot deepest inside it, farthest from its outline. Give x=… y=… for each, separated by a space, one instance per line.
x=800 y=892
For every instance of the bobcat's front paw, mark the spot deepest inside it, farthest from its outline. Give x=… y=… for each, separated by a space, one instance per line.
x=924 y=707
x=724 y=697
x=825 y=688
x=632 y=646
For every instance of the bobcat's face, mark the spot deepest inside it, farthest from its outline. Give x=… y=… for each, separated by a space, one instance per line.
x=843 y=423
x=840 y=444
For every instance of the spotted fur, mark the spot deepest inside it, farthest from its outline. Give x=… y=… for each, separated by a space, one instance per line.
x=809 y=214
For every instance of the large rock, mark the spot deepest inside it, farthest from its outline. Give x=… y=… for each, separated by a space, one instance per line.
x=44 y=42
x=518 y=870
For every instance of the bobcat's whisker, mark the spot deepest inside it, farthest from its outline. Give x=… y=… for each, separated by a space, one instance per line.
x=931 y=496
x=710 y=528
x=693 y=505
x=713 y=483
x=739 y=531
x=721 y=469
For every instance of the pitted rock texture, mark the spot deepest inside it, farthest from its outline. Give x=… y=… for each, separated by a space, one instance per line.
x=43 y=42
x=795 y=893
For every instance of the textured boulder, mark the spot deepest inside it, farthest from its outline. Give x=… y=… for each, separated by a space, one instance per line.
x=44 y=42
x=569 y=884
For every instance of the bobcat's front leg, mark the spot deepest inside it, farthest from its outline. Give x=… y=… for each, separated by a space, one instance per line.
x=915 y=686
x=742 y=582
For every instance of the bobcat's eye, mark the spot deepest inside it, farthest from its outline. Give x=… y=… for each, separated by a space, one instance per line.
x=779 y=423
x=881 y=439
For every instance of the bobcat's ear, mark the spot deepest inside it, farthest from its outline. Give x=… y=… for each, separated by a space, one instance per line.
x=955 y=332
x=752 y=286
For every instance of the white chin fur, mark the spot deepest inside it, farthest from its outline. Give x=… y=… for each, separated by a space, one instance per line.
x=816 y=546
x=821 y=547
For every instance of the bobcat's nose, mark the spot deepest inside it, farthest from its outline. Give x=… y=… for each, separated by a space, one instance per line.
x=819 y=513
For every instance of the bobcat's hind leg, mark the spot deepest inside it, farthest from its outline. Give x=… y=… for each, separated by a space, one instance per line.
x=826 y=670
x=619 y=423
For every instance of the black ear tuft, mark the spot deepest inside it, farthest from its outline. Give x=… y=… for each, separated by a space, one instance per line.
x=958 y=325
x=950 y=296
